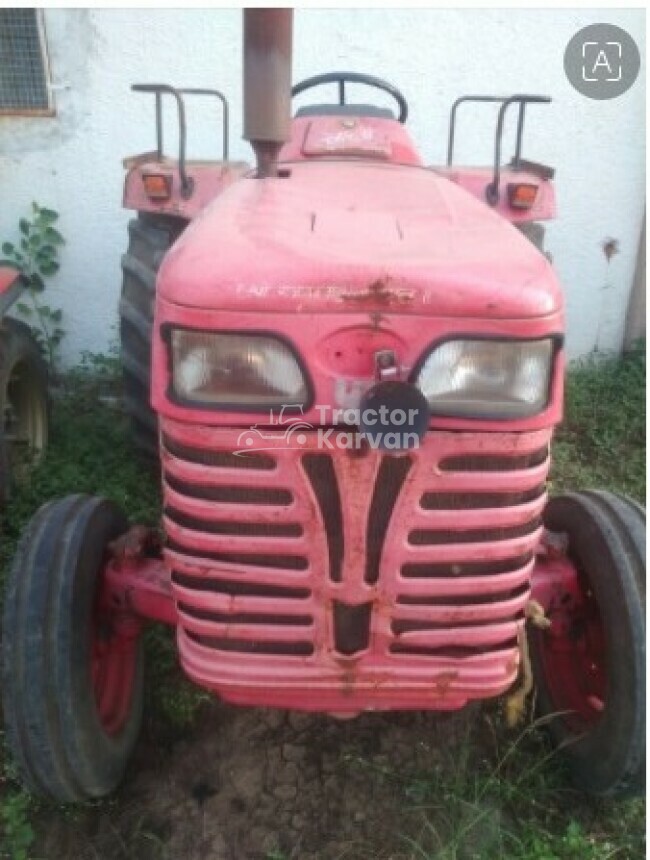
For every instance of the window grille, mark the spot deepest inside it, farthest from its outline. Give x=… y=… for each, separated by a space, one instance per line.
x=24 y=72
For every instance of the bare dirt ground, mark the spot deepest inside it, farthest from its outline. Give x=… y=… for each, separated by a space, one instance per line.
x=260 y=784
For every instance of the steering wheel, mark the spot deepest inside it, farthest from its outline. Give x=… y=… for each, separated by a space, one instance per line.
x=354 y=78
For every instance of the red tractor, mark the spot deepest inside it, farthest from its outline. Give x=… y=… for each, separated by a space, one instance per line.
x=399 y=550
x=24 y=408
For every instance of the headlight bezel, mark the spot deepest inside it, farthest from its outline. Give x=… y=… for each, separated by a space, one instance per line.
x=557 y=342
x=168 y=328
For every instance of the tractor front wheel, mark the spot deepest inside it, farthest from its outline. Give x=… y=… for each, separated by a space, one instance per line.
x=590 y=664
x=72 y=675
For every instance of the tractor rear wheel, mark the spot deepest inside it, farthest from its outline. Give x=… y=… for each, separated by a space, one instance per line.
x=534 y=232
x=24 y=408
x=590 y=665
x=72 y=673
x=150 y=237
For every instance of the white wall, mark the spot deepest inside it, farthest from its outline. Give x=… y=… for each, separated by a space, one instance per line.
x=73 y=163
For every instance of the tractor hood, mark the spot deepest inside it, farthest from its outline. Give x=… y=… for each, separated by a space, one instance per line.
x=349 y=236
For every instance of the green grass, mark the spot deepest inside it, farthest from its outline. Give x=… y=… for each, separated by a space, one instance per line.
x=516 y=802
x=89 y=452
x=601 y=442
x=16 y=811
x=512 y=803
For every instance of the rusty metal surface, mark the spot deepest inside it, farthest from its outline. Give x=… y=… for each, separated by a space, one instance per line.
x=135 y=544
x=336 y=227
x=256 y=576
x=140 y=588
x=267 y=83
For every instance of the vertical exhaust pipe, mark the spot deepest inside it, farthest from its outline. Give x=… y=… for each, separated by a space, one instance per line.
x=267 y=83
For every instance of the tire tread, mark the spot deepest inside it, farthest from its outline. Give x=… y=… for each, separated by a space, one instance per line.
x=620 y=523
x=150 y=237
x=45 y=732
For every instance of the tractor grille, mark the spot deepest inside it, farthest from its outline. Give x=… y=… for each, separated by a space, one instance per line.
x=368 y=579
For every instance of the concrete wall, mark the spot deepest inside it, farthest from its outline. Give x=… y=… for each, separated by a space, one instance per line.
x=73 y=162
x=635 y=323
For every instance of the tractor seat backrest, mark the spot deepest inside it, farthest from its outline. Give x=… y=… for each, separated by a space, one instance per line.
x=345 y=110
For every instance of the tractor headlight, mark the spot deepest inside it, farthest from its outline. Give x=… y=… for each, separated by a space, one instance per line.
x=487 y=378
x=238 y=370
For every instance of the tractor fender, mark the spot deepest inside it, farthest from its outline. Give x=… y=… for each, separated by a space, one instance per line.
x=10 y=287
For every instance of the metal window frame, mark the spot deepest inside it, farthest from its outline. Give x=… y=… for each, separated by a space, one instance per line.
x=50 y=110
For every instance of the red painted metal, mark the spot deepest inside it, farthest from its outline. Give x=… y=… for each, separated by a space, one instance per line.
x=435 y=641
x=8 y=277
x=210 y=179
x=133 y=589
x=322 y=238
x=114 y=647
x=339 y=347
x=317 y=138
x=354 y=247
x=139 y=587
x=349 y=137
x=475 y=180
x=572 y=651
x=10 y=287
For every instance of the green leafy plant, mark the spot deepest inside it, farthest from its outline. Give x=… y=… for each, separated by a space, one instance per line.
x=36 y=256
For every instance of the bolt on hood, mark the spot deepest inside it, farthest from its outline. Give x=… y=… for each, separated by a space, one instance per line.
x=347 y=236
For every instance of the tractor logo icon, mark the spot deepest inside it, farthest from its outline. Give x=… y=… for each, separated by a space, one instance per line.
x=287 y=430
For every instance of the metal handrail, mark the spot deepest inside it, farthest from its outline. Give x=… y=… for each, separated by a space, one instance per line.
x=492 y=190
x=159 y=90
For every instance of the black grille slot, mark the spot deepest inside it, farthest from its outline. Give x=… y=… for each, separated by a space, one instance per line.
x=223 y=459
x=246 y=617
x=234 y=587
x=248 y=646
x=462 y=600
x=474 y=568
x=451 y=651
x=351 y=627
x=404 y=626
x=390 y=479
x=473 y=501
x=235 y=495
x=320 y=471
x=492 y=463
x=290 y=562
x=217 y=527
x=433 y=537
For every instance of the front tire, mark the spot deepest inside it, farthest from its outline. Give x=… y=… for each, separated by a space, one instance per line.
x=590 y=665
x=72 y=677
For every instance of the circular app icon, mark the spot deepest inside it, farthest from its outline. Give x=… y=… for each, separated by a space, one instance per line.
x=602 y=61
